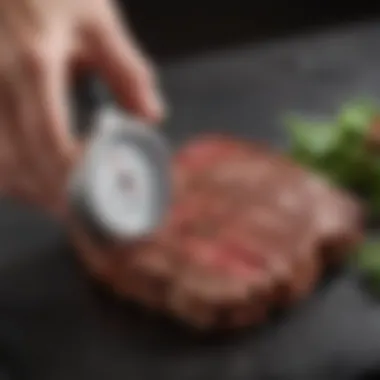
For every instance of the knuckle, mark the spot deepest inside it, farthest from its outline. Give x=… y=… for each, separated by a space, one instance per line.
x=33 y=54
x=36 y=57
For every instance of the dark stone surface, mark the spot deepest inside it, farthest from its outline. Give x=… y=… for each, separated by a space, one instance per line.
x=53 y=325
x=171 y=29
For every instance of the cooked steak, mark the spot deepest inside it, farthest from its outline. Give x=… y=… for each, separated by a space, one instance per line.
x=248 y=231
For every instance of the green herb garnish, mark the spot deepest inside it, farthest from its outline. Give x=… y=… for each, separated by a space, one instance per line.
x=368 y=262
x=338 y=150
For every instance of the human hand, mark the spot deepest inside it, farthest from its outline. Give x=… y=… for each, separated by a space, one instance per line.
x=42 y=43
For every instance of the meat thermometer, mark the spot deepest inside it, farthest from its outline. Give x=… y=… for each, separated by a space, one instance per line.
x=121 y=188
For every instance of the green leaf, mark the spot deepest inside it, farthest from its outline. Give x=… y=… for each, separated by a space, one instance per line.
x=338 y=151
x=369 y=256
x=373 y=187
x=322 y=140
x=368 y=262
x=355 y=117
x=314 y=139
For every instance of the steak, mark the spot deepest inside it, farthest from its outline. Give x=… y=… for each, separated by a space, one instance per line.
x=248 y=231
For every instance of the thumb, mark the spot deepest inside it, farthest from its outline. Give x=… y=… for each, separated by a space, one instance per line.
x=126 y=70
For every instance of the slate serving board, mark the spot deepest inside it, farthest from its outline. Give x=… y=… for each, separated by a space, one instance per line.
x=55 y=325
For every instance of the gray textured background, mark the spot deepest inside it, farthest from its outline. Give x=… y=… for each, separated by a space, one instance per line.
x=53 y=323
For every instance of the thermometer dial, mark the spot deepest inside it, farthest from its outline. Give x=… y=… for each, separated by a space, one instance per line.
x=124 y=180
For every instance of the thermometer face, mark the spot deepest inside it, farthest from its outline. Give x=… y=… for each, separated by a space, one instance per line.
x=123 y=184
x=125 y=187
